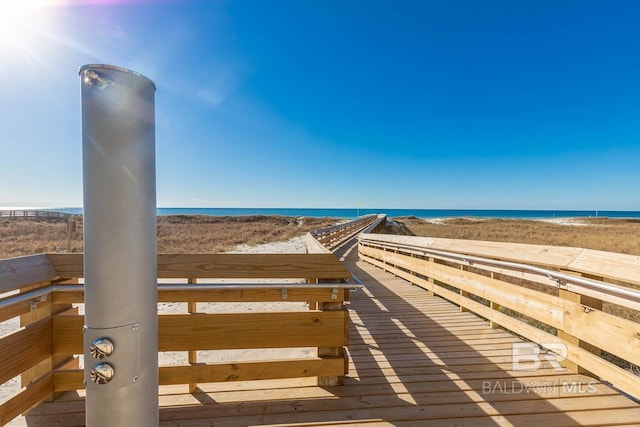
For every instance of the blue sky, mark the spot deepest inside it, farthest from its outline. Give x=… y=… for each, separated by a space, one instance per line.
x=394 y=104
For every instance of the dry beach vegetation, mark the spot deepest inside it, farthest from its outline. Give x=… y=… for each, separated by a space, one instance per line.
x=176 y=233
x=605 y=234
x=208 y=234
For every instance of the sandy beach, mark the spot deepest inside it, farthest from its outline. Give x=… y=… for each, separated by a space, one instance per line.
x=294 y=245
x=559 y=221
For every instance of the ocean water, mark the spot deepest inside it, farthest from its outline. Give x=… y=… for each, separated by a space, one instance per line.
x=420 y=213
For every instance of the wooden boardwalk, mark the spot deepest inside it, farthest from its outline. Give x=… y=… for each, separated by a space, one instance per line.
x=415 y=359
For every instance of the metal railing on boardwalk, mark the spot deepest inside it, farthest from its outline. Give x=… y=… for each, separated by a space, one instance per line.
x=579 y=303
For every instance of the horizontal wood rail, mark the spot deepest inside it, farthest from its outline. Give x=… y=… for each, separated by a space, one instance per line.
x=552 y=296
x=225 y=266
x=42 y=291
x=325 y=240
x=224 y=331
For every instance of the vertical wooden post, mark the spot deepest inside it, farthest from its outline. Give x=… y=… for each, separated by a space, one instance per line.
x=333 y=352
x=394 y=266
x=347 y=326
x=412 y=271
x=384 y=260
x=313 y=305
x=431 y=279
x=330 y=352
x=589 y=302
x=463 y=293
x=494 y=305
x=193 y=354
x=42 y=311
x=71 y=232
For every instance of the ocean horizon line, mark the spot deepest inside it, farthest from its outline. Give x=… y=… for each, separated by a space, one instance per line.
x=390 y=212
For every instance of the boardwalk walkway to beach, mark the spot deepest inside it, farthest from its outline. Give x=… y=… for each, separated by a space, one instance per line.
x=415 y=359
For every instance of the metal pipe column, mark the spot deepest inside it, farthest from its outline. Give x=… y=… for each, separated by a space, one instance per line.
x=120 y=259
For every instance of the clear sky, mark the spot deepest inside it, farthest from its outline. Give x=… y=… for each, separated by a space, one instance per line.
x=334 y=103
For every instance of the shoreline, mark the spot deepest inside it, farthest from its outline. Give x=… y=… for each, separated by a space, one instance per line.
x=570 y=221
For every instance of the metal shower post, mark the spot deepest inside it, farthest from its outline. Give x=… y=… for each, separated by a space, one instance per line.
x=120 y=258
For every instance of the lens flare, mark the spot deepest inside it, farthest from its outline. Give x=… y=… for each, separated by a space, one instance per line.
x=18 y=18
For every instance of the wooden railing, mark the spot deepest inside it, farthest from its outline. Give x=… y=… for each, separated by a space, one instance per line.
x=43 y=292
x=328 y=239
x=552 y=296
x=32 y=213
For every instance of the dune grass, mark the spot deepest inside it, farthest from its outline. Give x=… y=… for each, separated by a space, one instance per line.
x=208 y=234
x=176 y=233
x=605 y=234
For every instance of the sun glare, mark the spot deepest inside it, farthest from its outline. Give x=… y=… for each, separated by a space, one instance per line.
x=19 y=21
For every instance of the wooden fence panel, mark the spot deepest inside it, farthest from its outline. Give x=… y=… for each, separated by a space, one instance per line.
x=185 y=332
x=25 y=348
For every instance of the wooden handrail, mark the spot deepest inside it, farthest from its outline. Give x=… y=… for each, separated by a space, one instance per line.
x=225 y=266
x=588 y=285
x=572 y=317
x=16 y=273
x=52 y=330
x=608 y=265
x=325 y=240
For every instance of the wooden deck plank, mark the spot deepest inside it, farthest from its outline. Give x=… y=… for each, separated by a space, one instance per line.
x=442 y=400
x=312 y=402
x=415 y=359
x=358 y=387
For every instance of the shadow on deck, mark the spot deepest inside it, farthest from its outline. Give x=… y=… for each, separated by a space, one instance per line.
x=415 y=359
